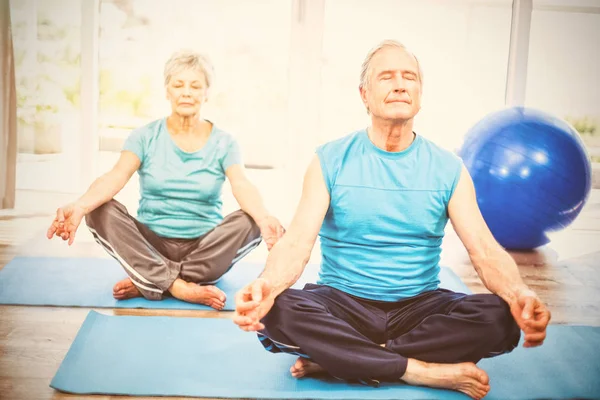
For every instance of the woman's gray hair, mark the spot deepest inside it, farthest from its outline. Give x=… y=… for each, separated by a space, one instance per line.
x=188 y=59
x=365 y=70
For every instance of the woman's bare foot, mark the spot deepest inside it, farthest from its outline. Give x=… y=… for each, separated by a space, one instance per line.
x=125 y=289
x=303 y=367
x=464 y=377
x=194 y=293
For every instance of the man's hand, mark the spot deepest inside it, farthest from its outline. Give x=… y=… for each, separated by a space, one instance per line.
x=66 y=222
x=252 y=303
x=271 y=230
x=532 y=316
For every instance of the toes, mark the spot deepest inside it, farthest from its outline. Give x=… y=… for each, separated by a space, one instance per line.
x=483 y=377
x=218 y=292
x=298 y=365
x=485 y=390
x=217 y=305
x=297 y=373
x=478 y=391
x=472 y=393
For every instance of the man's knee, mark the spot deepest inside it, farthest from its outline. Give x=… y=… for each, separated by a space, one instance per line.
x=284 y=320
x=497 y=323
x=289 y=309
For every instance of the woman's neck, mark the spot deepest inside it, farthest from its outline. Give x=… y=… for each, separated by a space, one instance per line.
x=178 y=124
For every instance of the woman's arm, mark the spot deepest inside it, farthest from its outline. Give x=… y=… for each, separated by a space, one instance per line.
x=251 y=202
x=108 y=185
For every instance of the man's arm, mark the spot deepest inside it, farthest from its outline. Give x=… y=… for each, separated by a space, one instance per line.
x=290 y=255
x=494 y=265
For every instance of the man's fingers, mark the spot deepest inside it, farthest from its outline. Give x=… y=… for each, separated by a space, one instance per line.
x=528 y=344
x=241 y=296
x=259 y=326
x=253 y=327
x=528 y=308
x=246 y=306
x=534 y=337
x=540 y=322
x=243 y=320
x=257 y=292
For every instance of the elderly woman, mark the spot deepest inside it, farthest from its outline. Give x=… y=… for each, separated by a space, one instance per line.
x=180 y=243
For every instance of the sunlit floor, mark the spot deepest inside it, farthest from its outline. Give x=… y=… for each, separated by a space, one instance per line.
x=34 y=340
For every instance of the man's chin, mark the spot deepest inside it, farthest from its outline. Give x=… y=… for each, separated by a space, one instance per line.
x=399 y=116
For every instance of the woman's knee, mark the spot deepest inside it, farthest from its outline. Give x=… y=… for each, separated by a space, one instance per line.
x=105 y=212
x=245 y=222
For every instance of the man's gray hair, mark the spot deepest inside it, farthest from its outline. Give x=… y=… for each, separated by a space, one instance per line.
x=365 y=70
x=188 y=59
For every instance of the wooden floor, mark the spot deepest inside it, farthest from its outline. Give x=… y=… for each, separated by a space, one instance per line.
x=34 y=340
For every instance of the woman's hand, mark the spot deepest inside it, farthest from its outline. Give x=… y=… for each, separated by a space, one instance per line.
x=271 y=230
x=66 y=222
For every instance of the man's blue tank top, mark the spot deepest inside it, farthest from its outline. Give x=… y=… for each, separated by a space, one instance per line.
x=381 y=237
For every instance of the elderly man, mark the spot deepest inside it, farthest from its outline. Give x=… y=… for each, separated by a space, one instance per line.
x=379 y=199
x=180 y=244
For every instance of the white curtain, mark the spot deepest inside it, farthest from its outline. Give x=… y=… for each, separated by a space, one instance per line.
x=8 y=111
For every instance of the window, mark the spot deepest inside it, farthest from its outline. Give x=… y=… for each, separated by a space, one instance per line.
x=563 y=76
x=248 y=43
x=47 y=43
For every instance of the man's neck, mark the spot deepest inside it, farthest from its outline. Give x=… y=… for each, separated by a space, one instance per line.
x=392 y=136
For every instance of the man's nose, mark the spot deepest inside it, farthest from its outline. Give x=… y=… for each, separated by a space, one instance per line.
x=399 y=85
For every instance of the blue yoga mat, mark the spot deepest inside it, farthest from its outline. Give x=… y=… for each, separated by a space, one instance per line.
x=167 y=356
x=88 y=282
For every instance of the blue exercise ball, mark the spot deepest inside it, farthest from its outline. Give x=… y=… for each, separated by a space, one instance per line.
x=531 y=172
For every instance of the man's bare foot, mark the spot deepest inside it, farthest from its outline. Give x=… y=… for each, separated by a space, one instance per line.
x=464 y=377
x=194 y=293
x=303 y=367
x=125 y=289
